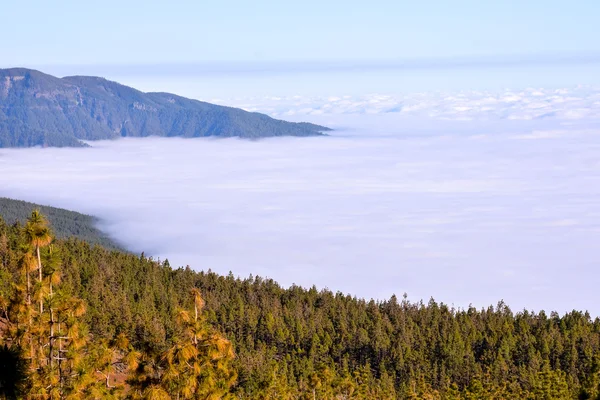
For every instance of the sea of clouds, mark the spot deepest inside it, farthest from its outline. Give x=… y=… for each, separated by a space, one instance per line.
x=576 y=103
x=467 y=197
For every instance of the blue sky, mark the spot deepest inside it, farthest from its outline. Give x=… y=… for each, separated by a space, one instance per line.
x=139 y=32
x=155 y=45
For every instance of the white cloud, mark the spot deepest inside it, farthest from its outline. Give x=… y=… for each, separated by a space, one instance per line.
x=392 y=202
x=564 y=104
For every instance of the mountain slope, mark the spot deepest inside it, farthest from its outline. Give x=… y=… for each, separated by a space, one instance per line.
x=40 y=109
x=65 y=223
x=301 y=343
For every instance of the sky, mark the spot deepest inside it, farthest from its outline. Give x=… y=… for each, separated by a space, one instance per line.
x=129 y=38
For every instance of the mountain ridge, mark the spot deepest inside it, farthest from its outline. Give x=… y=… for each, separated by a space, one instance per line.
x=37 y=109
x=65 y=223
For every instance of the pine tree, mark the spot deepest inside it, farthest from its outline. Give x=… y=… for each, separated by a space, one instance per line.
x=551 y=385
x=197 y=366
x=38 y=235
x=52 y=340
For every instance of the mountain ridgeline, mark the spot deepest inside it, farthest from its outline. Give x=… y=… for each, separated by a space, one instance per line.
x=65 y=223
x=37 y=109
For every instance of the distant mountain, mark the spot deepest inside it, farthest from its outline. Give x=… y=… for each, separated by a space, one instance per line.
x=65 y=223
x=40 y=109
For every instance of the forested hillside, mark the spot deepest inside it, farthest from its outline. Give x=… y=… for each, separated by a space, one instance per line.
x=37 y=109
x=302 y=343
x=64 y=223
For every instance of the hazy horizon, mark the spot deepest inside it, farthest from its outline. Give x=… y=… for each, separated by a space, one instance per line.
x=207 y=81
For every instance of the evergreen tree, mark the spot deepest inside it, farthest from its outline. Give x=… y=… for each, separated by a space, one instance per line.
x=196 y=366
x=54 y=338
x=108 y=315
x=38 y=235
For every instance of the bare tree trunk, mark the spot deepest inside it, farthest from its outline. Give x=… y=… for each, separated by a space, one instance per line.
x=195 y=320
x=51 y=338
x=29 y=311
x=59 y=357
x=28 y=286
x=39 y=260
x=51 y=328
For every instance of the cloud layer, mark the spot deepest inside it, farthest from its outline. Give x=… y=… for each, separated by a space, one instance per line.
x=576 y=103
x=394 y=201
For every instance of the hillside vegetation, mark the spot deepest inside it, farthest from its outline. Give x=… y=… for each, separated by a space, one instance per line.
x=37 y=109
x=294 y=343
x=65 y=223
